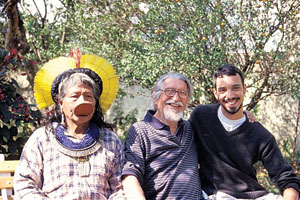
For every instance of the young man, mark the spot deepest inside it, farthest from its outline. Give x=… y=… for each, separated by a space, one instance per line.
x=160 y=150
x=229 y=146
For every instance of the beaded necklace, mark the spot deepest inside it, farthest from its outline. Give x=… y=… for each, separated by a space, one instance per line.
x=80 y=151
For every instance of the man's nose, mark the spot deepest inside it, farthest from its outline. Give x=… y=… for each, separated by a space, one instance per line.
x=230 y=94
x=82 y=99
x=176 y=96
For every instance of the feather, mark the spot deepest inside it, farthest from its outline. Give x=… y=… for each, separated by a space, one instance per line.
x=46 y=75
x=108 y=76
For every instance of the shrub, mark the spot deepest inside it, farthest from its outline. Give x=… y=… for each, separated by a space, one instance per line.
x=17 y=117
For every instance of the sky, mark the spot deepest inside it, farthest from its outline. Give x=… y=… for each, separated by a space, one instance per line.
x=41 y=7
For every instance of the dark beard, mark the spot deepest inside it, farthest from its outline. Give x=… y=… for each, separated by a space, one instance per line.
x=233 y=110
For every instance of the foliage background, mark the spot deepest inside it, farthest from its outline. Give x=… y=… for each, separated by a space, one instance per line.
x=145 y=40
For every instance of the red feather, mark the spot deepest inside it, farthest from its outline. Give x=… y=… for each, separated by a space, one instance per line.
x=75 y=53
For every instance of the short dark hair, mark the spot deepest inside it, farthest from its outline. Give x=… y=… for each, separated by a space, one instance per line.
x=228 y=70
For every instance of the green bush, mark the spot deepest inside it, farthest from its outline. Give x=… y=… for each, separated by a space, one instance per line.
x=17 y=117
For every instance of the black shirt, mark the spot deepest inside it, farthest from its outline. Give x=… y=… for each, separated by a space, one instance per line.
x=227 y=158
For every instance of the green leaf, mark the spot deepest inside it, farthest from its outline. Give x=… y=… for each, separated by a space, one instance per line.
x=13 y=131
x=5 y=134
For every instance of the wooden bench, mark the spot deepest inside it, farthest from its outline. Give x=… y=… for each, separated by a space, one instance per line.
x=7 y=169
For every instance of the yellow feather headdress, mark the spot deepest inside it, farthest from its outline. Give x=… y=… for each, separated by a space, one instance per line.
x=47 y=74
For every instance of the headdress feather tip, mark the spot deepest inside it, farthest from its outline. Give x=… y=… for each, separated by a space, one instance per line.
x=47 y=74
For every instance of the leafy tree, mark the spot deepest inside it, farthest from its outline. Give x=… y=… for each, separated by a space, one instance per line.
x=16 y=115
x=145 y=40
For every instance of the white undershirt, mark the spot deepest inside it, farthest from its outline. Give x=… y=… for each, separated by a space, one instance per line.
x=229 y=124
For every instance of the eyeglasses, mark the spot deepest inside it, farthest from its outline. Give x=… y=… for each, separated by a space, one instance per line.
x=170 y=92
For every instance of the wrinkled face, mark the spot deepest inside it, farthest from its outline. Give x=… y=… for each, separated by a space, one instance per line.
x=230 y=93
x=172 y=108
x=78 y=105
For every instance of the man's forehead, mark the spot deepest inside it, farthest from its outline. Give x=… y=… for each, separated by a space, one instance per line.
x=174 y=81
x=229 y=79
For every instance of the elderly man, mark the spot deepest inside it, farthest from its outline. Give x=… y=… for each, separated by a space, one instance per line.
x=229 y=146
x=160 y=151
x=75 y=155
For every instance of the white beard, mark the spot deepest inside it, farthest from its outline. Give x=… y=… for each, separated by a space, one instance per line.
x=172 y=115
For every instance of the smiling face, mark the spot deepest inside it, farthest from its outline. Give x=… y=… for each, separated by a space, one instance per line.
x=171 y=108
x=78 y=105
x=230 y=92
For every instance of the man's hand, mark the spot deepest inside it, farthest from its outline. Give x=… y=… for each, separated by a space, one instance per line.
x=250 y=116
x=290 y=194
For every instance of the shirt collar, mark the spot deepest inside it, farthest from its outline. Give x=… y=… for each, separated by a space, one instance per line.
x=153 y=121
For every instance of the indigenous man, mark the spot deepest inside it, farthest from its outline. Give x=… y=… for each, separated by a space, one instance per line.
x=75 y=155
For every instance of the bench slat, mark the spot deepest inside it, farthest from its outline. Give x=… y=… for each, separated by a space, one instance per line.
x=8 y=166
x=10 y=197
x=7 y=169
x=6 y=182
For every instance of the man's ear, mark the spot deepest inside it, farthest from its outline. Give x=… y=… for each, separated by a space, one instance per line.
x=245 y=88
x=155 y=103
x=60 y=102
x=215 y=93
